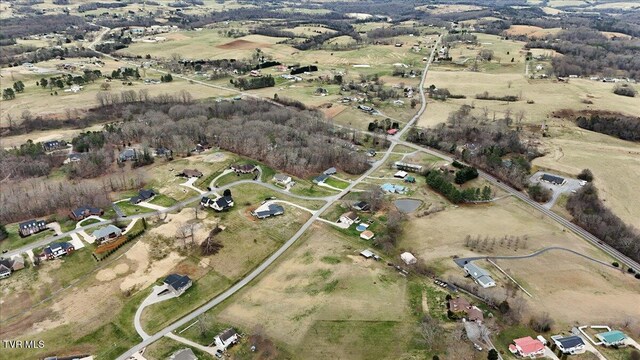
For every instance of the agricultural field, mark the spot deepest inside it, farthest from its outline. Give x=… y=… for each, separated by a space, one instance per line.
x=571 y=149
x=324 y=300
x=42 y=101
x=542 y=276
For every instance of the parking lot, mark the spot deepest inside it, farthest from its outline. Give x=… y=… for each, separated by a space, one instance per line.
x=569 y=185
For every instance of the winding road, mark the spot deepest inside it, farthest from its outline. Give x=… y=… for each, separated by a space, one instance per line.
x=462 y=261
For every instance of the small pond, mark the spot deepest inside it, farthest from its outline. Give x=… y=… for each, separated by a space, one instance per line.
x=407 y=205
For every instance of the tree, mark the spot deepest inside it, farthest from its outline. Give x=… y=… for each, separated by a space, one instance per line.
x=3 y=232
x=44 y=82
x=539 y=193
x=414 y=102
x=430 y=331
x=542 y=322
x=211 y=245
x=586 y=175
x=493 y=355
x=18 y=86
x=227 y=192
x=105 y=86
x=8 y=94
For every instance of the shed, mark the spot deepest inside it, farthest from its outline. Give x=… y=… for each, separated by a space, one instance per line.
x=400 y=174
x=330 y=171
x=408 y=258
x=367 y=253
x=367 y=235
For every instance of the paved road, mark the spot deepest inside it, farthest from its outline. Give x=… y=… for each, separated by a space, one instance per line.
x=522 y=196
x=462 y=261
x=175 y=207
x=262 y=267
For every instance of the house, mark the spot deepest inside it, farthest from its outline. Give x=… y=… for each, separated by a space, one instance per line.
x=73 y=157
x=178 y=284
x=408 y=167
x=190 y=173
x=320 y=179
x=349 y=218
x=106 y=233
x=31 y=227
x=56 y=250
x=143 y=195
x=128 y=155
x=362 y=206
x=400 y=174
x=458 y=305
x=183 y=354
x=365 y=108
x=17 y=263
x=367 y=235
x=393 y=189
x=205 y=201
x=330 y=171
x=226 y=339
x=479 y=275
x=222 y=203
x=612 y=338
x=243 y=168
x=5 y=269
x=555 y=180
x=368 y=254
x=408 y=258
x=474 y=314
x=569 y=344
x=392 y=131
x=527 y=347
x=410 y=179
x=84 y=212
x=282 y=179
x=272 y=210
x=53 y=145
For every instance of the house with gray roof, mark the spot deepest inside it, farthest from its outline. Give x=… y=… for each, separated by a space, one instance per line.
x=106 y=233
x=272 y=210
x=479 y=275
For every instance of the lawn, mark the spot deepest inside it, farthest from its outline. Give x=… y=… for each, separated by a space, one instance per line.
x=233 y=177
x=308 y=188
x=332 y=181
x=88 y=222
x=165 y=347
x=159 y=315
x=163 y=200
x=130 y=209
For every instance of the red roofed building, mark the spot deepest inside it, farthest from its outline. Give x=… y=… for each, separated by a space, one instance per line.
x=527 y=347
x=392 y=131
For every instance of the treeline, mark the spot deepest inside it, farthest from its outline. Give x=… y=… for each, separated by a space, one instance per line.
x=388 y=32
x=438 y=182
x=253 y=82
x=99 y=5
x=16 y=27
x=21 y=54
x=589 y=212
x=491 y=146
x=587 y=52
x=618 y=125
x=485 y=96
x=37 y=197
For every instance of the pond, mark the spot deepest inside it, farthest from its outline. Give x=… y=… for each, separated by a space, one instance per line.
x=407 y=205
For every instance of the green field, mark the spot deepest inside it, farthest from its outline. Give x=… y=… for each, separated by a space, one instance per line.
x=163 y=200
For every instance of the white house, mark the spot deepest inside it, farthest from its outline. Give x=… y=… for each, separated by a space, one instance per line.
x=282 y=179
x=178 y=284
x=349 y=218
x=226 y=339
x=408 y=258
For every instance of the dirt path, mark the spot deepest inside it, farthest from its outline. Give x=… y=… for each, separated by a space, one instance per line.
x=425 y=304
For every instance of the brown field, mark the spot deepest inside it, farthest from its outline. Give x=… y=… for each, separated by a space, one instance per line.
x=447 y=9
x=545 y=276
x=304 y=293
x=242 y=45
x=531 y=31
x=545 y=94
x=571 y=149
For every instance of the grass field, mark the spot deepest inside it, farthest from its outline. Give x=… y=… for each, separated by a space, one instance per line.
x=429 y=240
x=163 y=200
x=324 y=300
x=544 y=94
x=571 y=149
x=39 y=101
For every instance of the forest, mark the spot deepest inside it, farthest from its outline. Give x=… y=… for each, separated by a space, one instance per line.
x=620 y=126
x=590 y=213
x=491 y=146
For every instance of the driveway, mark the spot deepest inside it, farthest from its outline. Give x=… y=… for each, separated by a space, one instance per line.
x=189 y=183
x=265 y=206
x=151 y=206
x=153 y=298
x=569 y=186
x=76 y=242
x=208 y=349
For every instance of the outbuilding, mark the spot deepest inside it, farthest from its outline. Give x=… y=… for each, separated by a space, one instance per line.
x=408 y=258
